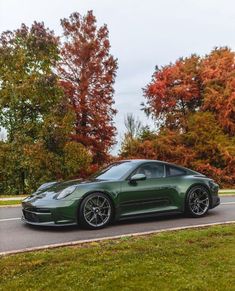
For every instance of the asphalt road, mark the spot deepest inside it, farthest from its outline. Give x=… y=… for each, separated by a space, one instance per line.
x=15 y=235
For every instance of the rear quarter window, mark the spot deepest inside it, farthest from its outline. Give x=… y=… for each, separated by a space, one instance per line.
x=174 y=171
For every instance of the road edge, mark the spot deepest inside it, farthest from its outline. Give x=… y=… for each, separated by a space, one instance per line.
x=10 y=206
x=81 y=242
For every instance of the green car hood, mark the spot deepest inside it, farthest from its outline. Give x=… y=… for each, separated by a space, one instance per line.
x=54 y=188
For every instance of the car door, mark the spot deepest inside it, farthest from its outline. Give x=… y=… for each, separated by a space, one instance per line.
x=146 y=196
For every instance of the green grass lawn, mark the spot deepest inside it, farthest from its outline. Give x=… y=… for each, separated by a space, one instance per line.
x=227 y=192
x=10 y=202
x=202 y=259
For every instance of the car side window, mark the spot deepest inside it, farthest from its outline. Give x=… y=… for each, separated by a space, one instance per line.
x=151 y=170
x=174 y=171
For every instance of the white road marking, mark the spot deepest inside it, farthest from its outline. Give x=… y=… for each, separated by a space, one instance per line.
x=227 y=203
x=9 y=219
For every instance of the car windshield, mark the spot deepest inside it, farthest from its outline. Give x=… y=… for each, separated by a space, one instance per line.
x=115 y=171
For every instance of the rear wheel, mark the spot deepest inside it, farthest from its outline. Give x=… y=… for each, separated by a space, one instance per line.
x=198 y=201
x=95 y=211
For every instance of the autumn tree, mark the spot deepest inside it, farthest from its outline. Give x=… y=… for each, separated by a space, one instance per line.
x=218 y=75
x=28 y=88
x=87 y=71
x=135 y=131
x=27 y=82
x=192 y=100
x=175 y=91
x=213 y=149
x=34 y=113
x=193 y=84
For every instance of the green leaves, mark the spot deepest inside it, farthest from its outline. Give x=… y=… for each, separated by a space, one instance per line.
x=34 y=112
x=28 y=84
x=76 y=158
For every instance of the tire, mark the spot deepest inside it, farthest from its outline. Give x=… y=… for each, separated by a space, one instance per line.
x=197 y=201
x=95 y=211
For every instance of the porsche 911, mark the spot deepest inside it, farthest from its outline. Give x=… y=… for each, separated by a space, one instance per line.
x=123 y=190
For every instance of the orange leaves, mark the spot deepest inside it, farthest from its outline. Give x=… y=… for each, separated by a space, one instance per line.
x=218 y=74
x=193 y=101
x=193 y=84
x=174 y=91
x=88 y=71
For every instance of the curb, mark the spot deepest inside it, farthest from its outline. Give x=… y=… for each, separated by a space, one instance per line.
x=81 y=242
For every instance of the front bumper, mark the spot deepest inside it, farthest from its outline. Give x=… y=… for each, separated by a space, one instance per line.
x=50 y=213
x=49 y=223
x=215 y=201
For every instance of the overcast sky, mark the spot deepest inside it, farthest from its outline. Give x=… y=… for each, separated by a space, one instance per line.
x=143 y=34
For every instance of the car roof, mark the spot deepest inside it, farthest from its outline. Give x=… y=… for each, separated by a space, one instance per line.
x=140 y=161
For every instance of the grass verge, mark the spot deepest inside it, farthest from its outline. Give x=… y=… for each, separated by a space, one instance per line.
x=201 y=259
x=9 y=202
x=227 y=192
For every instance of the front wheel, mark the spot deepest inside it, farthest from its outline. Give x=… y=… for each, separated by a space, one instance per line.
x=198 y=201
x=95 y=211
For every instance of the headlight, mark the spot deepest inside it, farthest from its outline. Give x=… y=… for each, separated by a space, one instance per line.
x=44 y=187
x=66 y=192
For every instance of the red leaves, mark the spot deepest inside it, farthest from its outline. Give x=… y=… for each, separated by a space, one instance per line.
x=193 y=84
x=193 y=100
x=87 y=74
x=218 y=73
x=174 y=91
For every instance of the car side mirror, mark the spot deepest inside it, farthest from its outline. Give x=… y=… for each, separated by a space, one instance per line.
x=137 y=177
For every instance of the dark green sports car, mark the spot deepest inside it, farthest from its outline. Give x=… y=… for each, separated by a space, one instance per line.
x=125 y=189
